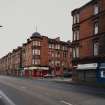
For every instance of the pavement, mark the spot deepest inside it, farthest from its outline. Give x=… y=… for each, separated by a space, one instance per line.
x=20 y=91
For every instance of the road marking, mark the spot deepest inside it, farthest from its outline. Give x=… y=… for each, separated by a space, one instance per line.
x=66 y=103
x=23 y=87
x=6 y=99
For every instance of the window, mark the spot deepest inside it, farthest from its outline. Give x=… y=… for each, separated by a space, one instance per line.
x=57 y=46
x=63 y=63
x=36 y=52
x=52 y=62
x=76 y=18
x=36 y=61
x=57 y=63
x=64 y=48
x=33 y=61
x=50 y=46
x=64 y=54
x=96 y=28
x=36 y=43
x=76 y=35
x=52 y=54
x=76 y=52
x=96 y=9
x=57 y=54
x=95 y=48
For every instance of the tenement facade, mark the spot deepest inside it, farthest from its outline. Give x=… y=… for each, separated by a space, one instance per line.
x=37 y=57
x=89 y=42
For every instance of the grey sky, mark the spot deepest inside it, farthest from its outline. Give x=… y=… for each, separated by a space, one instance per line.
x=19 y=17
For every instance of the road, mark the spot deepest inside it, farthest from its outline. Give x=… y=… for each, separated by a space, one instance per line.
x=45 y=92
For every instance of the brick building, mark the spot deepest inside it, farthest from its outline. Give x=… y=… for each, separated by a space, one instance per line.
x=11 y=63
x=37 y=57
x=88 y=43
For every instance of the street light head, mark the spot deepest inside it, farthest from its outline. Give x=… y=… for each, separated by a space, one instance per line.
x=1 y=26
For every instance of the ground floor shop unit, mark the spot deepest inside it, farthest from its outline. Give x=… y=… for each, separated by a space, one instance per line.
x=37 y=71
x=90 y=72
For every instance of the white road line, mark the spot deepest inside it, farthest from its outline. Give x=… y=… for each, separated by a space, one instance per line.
x=23 y=87
x=65 y=102
x=6 y=99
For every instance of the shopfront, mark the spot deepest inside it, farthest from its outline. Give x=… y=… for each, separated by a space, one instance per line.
x=35 y=71
x=87 y=72
x=101 y=73
x=93 y=72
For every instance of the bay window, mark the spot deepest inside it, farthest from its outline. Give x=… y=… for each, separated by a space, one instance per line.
x=36 y=52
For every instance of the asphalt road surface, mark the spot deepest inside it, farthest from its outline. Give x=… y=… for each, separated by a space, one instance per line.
x=17 y=91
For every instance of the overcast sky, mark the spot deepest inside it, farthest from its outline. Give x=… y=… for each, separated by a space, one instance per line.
x=20 y=17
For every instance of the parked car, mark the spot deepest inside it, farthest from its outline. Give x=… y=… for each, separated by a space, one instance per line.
x=67 y=74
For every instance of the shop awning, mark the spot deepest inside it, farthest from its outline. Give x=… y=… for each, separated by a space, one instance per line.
x=87 y=66
x=36 y=68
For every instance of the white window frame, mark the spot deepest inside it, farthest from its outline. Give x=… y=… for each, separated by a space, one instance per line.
x=37 y=61
x=33 y=61
x=53 y=46
x=75 y=52
x=50 y=46
x=96 y=28
x=57 y=62
x=96 y=9
x=36 y=43
x=76 y=35
x=52 y=54
x=36 y=52
x=76 y=18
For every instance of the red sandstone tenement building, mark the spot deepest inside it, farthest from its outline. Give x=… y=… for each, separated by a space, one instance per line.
x=37 y=57
x=89 y=42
